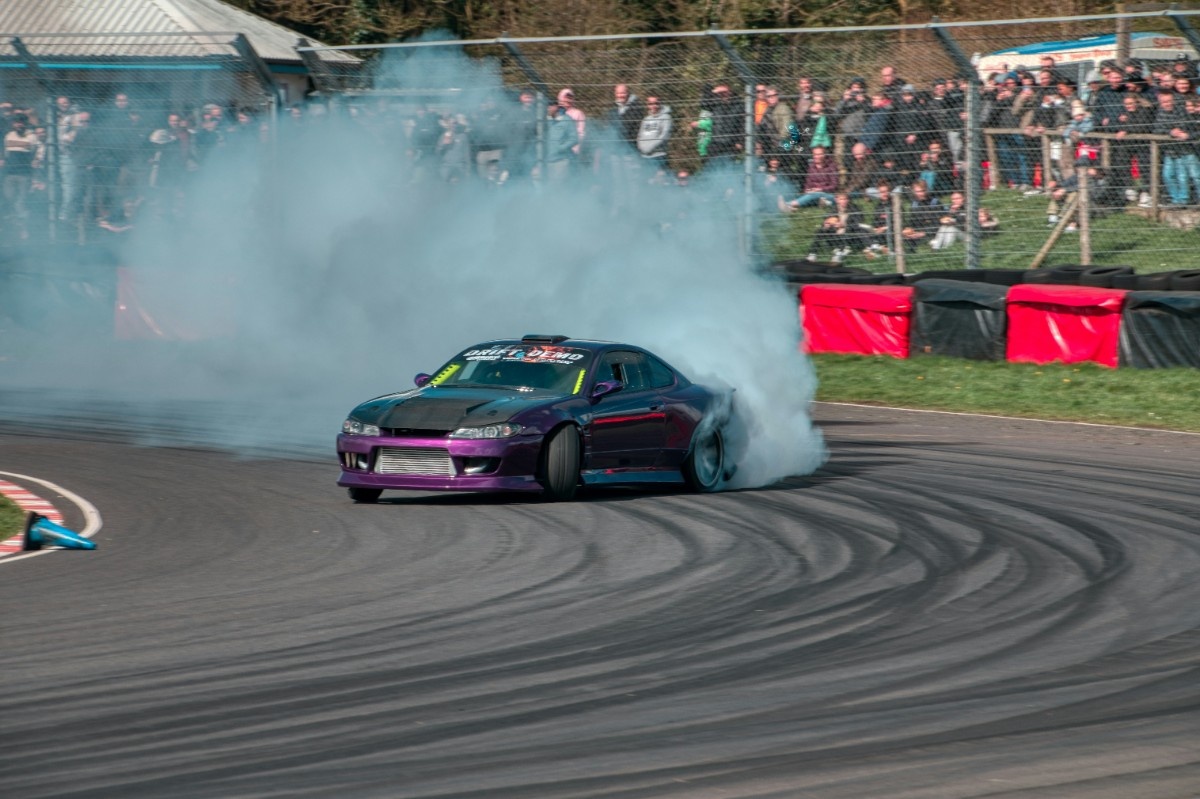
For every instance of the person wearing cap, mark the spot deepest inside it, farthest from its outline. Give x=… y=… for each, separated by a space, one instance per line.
x=1182 y=65
x=566 y=101
x=914 y=129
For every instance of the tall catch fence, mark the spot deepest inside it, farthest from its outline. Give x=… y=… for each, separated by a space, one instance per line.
x=956 y=144
x=113 y=126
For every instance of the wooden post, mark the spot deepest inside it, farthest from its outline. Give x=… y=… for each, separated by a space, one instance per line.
x=897 y=230
x=1084 y=213
x=1063 y=220
x=993 y=162
x=1155 y=188
x=1047 y=161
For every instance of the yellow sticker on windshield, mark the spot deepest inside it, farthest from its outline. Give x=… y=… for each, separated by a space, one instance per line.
x=579 y=382
x=444 y=375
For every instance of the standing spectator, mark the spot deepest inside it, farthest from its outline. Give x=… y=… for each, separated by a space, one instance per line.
x=1010 y=147
x=913 y=129
x=1135 y=118
x=945 y=108
x=490 y=129
x=1178 y=155
x=625 y=117
x=566 y=101
x=20 y=153
x=1107 y=105
x=891 y=84
x=521 y=154
x=454 y=149
x=728 y=123
x=562 y=139
x=851 y=112
x=805 y=92
x=208 y=138
x=878 y=132
x=654 y=133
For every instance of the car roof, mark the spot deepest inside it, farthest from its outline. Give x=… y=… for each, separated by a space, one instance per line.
x=594 y=345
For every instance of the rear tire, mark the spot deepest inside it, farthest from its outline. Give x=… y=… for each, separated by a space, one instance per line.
x=366 y=496
x=560 y=464
x=704 y=468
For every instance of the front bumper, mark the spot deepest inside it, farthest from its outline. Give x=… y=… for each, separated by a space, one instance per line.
x=510 y=463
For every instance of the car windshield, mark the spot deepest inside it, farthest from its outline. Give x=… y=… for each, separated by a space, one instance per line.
x=523 y=367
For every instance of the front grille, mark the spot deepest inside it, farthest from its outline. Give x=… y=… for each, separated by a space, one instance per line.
x=414 y=460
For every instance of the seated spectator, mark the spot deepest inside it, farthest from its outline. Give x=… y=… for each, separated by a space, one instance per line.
x=924 y=215
x=952 y=224
x=860 y=171
x=841 y=233
x=819 y=184
x=879 y=223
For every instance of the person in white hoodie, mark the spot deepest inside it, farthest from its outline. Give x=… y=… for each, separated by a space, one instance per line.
x=654 y=134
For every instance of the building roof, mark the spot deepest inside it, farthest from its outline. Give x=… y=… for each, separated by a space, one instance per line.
x=146 y=28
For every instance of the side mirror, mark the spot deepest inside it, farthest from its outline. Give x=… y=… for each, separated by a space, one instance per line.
x=605 y=387
x=422 y=378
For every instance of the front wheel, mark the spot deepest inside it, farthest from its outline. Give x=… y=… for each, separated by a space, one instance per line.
x=705 y=464
x=365 y=495
x=560 y=464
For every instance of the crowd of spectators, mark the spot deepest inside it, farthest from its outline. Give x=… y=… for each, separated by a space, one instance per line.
x=94 y=169
x=816 y=147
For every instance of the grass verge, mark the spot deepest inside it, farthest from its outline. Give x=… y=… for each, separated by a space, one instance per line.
x=12 y=519
x=1158 y=398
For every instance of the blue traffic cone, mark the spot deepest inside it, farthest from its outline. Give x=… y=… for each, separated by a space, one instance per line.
x=40 y=531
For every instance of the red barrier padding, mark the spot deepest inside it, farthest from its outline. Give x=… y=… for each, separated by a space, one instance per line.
x=1048 y=323
x=168 y=307
x=861 y=320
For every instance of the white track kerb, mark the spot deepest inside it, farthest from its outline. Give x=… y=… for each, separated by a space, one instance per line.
x=91 y=516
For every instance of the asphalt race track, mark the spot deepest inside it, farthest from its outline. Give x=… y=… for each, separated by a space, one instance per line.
x=953 y=607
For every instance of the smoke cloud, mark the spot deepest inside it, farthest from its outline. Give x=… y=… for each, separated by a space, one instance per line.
x=320 y=271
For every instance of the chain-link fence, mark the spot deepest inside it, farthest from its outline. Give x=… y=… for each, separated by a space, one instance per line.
x=1003 y=144
x=100 y=128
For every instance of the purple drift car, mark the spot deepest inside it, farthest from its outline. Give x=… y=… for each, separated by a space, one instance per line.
x=543 y=413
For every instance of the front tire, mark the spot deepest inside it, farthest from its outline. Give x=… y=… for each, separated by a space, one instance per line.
x=366 y=496
x=704 y=467
x=560 y=464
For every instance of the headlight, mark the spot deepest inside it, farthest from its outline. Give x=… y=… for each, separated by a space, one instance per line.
x=502 y=430
x=353 y=427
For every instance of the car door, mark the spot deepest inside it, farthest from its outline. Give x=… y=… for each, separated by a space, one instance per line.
x=628 y=427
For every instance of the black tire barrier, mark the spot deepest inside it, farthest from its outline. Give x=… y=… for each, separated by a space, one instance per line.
x=1102 y=276
x=1039 y=276
x=1160 y=329
x=960 y=319
x=892 y=279
x=972 y=275
x=1067 y=274
x=1186 y=280
x=1003 y=277
x=1156 y=281
x=1125 y=281
x=801 y=266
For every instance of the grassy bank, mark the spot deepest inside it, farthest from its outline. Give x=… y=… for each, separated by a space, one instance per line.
x=11 y=519
x=1162 y=398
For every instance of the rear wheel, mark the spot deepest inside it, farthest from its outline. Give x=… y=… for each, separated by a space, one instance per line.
x=365 y=495
x=560 y=464
x=705 y=464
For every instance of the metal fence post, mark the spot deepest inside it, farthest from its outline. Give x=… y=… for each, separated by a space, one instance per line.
x=971 y=181
x=748 y=159
x=544 y=93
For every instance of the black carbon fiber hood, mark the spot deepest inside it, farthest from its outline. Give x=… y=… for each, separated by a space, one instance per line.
x=444 y=410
